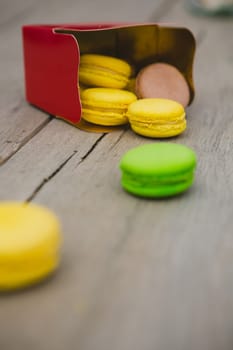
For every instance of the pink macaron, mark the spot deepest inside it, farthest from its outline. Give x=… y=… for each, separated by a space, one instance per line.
x=162 y=80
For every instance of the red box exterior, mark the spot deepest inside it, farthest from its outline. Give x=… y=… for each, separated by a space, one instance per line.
x=51 y=62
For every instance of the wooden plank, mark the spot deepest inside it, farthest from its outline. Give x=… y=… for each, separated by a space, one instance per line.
x=136 y=274
x=18 y=121
x=19 y=125
x=42 y=157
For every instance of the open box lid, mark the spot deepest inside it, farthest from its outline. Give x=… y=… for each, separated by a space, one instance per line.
x=52 y=55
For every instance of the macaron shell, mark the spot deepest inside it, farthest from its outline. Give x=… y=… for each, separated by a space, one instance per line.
x=156 y=108
x=162 y=80
x=105 y=118
x=89 y=127
x=99 y=77
x=159 y=131
x=158 y=191
x=107 y=98
x=103 y=106
x=160 y=159
x=118 y=65
x=104 y=71
x=160 y=118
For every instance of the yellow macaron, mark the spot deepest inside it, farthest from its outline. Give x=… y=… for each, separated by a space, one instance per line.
x=157 y=117
x=103 y=71
x=103 y=106
x=30 y=238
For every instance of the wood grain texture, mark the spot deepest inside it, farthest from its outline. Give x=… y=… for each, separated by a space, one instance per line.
x=42 y=157
x=136 y=274
x=19 y=124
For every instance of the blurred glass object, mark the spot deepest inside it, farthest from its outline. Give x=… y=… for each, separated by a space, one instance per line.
x=214 y=7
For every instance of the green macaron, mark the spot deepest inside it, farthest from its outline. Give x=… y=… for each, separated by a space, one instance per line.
x=158 y=169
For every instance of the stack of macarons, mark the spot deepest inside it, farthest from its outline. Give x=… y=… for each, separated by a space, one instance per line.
x=30 y=239
x=163 y=96
x=104 y=100
x=153 y=101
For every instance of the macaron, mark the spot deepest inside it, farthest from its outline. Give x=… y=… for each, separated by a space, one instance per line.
x=162 y=80
x=30 y=239
x=104 y=106
x=104 y=71
x=158 y=169
x=156 y=117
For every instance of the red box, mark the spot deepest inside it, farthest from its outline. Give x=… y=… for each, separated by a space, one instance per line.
x=52 y=54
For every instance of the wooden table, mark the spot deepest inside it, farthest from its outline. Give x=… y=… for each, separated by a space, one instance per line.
x=136 y=274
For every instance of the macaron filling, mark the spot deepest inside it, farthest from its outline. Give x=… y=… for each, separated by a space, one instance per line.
x=159 y=130
x=104 y=117
x=157 y=124
x=162 y=190
x=159 y=186
x=157 y=180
